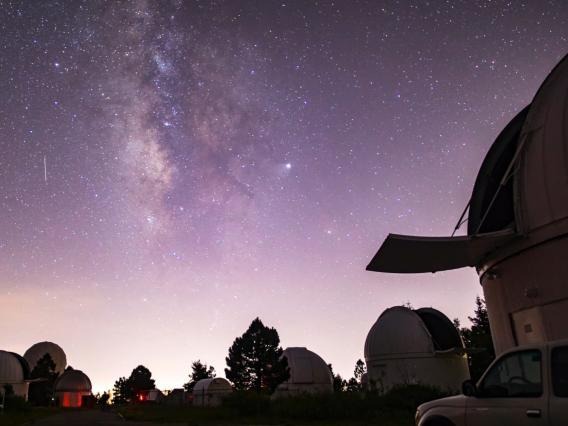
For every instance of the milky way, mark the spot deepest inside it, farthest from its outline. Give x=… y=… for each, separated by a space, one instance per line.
x=210 y=162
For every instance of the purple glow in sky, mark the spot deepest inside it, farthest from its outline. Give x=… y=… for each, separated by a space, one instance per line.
x=210 y=162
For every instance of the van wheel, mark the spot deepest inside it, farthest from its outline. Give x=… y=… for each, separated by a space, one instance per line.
x=438 y=421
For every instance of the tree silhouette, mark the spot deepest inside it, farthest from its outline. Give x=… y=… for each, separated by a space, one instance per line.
x=255 y=360
x=120 y=391
x=360 y=369
x=41 y=392
x=355 y=383
x=103 y=399
x=126 y=389
x=339 y=384
x=140 y=379
x=199 y=371
x=478 y=339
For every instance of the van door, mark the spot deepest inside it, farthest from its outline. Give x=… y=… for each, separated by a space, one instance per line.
x=510 y=393
x=559 y=377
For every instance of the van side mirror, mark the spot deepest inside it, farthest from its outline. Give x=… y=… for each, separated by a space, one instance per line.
x=469 y=388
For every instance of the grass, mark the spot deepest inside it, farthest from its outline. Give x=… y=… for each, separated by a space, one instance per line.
x=341 y=409
x=20 y=417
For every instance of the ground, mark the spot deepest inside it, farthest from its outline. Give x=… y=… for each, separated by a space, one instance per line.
x=72 y=418
x=151 y=417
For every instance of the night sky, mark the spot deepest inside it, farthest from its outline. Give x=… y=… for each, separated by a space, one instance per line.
x=171 y=170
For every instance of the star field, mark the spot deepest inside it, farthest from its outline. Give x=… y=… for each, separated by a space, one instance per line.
x=171 y=170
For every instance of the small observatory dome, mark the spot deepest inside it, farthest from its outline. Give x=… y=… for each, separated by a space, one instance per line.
x=14 y=371
x=309 y=373
x=11 y=370
x=70 y=388
x=37 y=351
x=407 y=346
x=210 y=392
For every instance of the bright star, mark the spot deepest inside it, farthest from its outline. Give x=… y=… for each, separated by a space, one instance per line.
x=288 y=166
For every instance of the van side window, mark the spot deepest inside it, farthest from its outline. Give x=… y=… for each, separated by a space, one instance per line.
x=517 y=375
x=560 y=371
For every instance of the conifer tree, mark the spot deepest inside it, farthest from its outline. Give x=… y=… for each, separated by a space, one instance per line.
x=478 y=339
x=199 y=371
x=255 y=360
x=120 y=391
x=41 y=392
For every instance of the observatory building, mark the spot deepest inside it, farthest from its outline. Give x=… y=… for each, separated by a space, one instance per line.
x=37 y=351
x=210 y=392
x=150 y=395
x=517 y=232
x=71 y=387
x=407 y=346
x=14 y=372
x=309 y=373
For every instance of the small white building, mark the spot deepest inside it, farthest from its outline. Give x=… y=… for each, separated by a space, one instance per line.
x=422 y=346
x=71 y=387
x=210 y=392
x=14 y=372
x=309 y=373
x=38 y=351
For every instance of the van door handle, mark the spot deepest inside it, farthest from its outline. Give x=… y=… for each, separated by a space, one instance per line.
x=533 y=413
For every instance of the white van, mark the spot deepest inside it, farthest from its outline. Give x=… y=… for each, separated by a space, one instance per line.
x=527 y=385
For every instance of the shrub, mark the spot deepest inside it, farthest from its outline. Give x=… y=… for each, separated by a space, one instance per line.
x=15 y=403
x=247 y=403
x=409 y=397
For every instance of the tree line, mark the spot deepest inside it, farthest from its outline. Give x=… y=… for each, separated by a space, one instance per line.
x=255 y=361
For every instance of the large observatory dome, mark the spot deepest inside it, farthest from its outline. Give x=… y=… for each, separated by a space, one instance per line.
x=73 y=381
x=414 y=346
x=37 y=351
x=519 y=200
x=517 y=232
x=530 y=161
x=309 y=373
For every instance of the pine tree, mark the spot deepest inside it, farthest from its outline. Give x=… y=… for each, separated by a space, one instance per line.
x=355 y=383
x=478 y=339
x=120 y=391
x=360 y=369
x=41 y=392
x=199 y=371
x=255 y=360
x=339 y=385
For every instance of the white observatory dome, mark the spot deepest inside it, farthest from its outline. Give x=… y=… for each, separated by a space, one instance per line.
x=73 y=381
x=407 y=346
x=37 y=351
x=11 y=369
x=398 y=330
x=309 y=373
x=14 y=371
x=210 y=392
